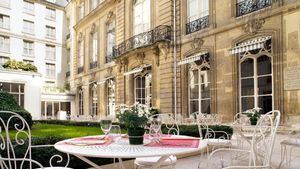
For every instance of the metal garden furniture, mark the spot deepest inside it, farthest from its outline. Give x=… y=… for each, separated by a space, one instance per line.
x=287 y=147
x=9 y=159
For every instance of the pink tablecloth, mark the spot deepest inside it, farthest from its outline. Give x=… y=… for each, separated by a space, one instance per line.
x=176 y=143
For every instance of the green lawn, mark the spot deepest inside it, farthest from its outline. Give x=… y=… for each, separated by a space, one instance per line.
x=45 y=130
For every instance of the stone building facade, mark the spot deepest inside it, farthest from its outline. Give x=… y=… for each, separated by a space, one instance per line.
x=230 y=56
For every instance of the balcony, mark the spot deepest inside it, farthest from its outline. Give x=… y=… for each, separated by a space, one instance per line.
x=197 y=24
x=248 y=6
x=160 y=33
x=80 y=69
x=93 y=65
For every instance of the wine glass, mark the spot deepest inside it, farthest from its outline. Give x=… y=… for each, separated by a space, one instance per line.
x=155 y=128
x=115 y=132
x=105 y=126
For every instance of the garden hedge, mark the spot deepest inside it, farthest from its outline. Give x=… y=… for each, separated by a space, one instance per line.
x=8 y=103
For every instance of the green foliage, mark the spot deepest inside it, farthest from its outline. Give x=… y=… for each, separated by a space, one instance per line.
x=253 y=114
x=17 y=65
x=133 y=117
x=67 y=86
x=8 y=103
x=154 y=111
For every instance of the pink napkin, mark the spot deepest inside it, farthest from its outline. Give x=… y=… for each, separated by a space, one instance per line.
x=176 y=143
x=89 y=141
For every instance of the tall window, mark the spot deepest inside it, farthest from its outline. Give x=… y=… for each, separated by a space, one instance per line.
x=50 y=13
x=28 y=27
x=5 y=3
x=141 y=16
x=50 y=52
x=50 y=31
x=4 y=21
x=111 y=98
x=94 y=47
x=28 y=7
x=197 y=9
x=80 y=102
x=3 y=60
x=28 y=61
x=81 y=11
x=28 y=48
x=143 y=87
x=50 y=70
x=94 y=99
x=16 y=89
x=80 y=61
x=110 y=41
x=4 y=43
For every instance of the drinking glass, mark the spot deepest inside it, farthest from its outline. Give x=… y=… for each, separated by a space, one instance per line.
x=105 y=126
x=155 y=129
x=115 y=132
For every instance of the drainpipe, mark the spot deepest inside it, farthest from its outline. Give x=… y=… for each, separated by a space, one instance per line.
x=174 y=59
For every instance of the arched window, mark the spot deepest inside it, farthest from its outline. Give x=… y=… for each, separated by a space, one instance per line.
x=110 y=40
x=111 y=97
x=256 y=79
x=143 y=87
x=94 y=99
x=80 y=101
x=141 y=16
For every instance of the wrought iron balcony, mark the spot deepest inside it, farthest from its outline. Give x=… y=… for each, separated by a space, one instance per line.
x=93 y=64
x=197 y=25
x=80 y=69
x=248 y=6
x=160 y=33
x=68 y=74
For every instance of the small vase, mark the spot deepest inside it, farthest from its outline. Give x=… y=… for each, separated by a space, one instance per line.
x=136 y=136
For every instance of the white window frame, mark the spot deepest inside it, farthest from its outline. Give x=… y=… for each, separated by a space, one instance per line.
x=50 y=52
x=4 y=21
x=28 y=48
x=94 y=47
x=201 y=6
x=199 y=83
x=50 y=13
x=28 y=7
x=81 y=102
x=141 y=16
x=50 y=32
x=147 y=76
x=4 y=44
x=94 y=99
x=50 y=70
x=21 y=87
x=110 y=40
x=28 y=27
x=111 y=97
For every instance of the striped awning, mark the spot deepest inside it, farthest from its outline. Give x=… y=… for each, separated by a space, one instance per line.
x=256 y=43
x=191 y=58
x=102 y=81
x=136 y=70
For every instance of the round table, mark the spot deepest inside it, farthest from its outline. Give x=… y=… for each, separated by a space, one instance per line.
x=122 y=149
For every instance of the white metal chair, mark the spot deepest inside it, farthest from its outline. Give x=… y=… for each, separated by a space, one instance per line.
x=22 y=137
x=172 y=128
x=258 y=155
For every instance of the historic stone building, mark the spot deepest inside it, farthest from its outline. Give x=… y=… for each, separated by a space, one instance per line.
x=230 y=56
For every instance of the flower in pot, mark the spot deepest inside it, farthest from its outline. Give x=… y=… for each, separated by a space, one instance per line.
x=134 y=118
x=253 y=114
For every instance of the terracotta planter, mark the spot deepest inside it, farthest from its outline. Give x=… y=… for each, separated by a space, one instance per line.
x=136 y=136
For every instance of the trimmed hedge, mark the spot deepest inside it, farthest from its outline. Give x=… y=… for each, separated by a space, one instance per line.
x=8 y=103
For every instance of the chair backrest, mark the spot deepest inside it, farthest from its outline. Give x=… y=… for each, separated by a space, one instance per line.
x=264 y=136
x=169 y=121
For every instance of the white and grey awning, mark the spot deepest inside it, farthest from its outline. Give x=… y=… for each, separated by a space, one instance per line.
x=191 y=59
x=104 y=80
x=136 y=70
x=256 y=43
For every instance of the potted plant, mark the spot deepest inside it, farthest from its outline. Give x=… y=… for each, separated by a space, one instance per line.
x=153 y=111
x=254 y=115
x=134 y=118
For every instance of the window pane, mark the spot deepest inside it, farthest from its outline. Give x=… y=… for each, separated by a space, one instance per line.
x=22 y=100
x=49 y=109
x=265 y=102
x=15 y=87
x=205 y=106
x=264 y=65
x=247 y=87
x=194 y=106
x=205 y=90
x=194 y=92
x=247 y=68
x=247 y=103
x=194 y=77
x=5 y=87
x=265 y=85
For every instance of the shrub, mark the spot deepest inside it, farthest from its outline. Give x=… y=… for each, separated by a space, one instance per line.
x=8 y=103
x=16 y=65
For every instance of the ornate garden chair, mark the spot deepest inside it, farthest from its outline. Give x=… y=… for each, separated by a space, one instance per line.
x=12 y=124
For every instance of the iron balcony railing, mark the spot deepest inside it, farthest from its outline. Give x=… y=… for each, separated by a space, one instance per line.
x=160 y=33
x=197 y=24
x=80 y=69
x=93 y=64
x=248 y=6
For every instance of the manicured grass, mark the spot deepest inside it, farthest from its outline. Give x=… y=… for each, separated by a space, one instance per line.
x=46 y=130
